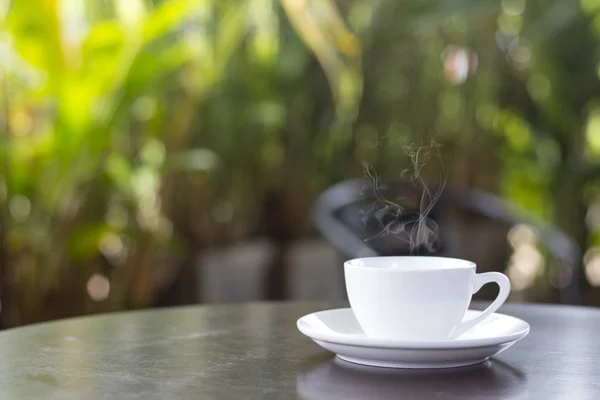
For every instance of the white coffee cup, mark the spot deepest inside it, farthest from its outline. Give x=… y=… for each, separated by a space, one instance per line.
x=417 y=298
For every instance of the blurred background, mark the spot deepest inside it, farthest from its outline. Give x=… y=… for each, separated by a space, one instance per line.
x=156 y=153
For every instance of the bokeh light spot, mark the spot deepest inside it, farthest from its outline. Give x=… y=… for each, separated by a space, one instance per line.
x=98 y=287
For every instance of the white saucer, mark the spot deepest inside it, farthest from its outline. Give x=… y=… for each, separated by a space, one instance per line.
x=339 y=332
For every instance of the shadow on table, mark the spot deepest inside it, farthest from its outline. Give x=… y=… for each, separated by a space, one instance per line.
x=337 y=379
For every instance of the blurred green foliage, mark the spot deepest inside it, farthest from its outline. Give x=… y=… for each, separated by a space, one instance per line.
x=137 y=132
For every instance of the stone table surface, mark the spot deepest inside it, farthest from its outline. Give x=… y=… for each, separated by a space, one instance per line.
x=254 y=351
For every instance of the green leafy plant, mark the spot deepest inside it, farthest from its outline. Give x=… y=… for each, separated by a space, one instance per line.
x=92 y=142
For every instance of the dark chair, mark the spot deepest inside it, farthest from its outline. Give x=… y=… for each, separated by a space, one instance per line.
x=389 y=220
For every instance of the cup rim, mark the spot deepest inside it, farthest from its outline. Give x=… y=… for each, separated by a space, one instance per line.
x=461 y=263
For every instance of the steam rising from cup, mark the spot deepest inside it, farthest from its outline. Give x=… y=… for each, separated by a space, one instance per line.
x=416 y=229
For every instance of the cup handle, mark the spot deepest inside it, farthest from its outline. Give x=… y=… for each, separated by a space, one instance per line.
x=480 y=281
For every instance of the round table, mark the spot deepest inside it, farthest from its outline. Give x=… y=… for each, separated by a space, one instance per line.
x=254 y=351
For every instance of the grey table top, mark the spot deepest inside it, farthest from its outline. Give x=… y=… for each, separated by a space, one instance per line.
x=253 y=351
